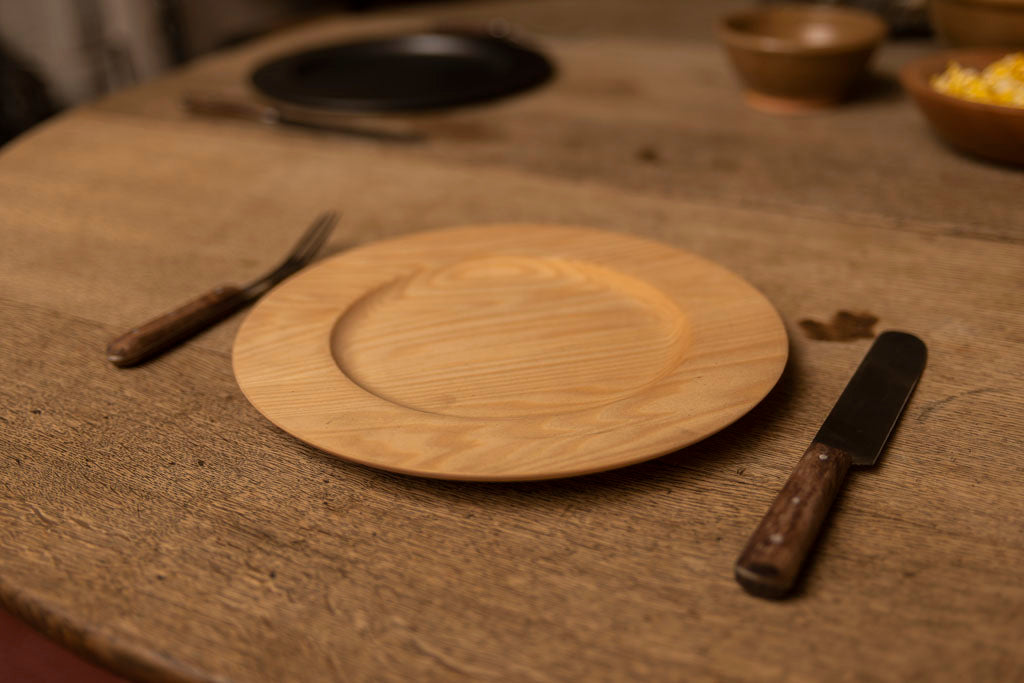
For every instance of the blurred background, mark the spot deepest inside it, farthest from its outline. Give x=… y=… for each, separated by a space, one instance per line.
x=58 y=53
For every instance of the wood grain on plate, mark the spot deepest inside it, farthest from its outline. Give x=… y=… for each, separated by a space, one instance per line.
x=509 y=352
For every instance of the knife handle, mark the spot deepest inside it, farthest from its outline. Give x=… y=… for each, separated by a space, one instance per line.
x=770 y=563
x=230 y=107
x=146 y=341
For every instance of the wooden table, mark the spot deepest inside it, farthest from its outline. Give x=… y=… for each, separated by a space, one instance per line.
x=155 y=521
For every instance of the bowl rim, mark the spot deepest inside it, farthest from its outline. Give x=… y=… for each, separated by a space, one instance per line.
x=915 y=77
x=775 y=45
x=1010 y=4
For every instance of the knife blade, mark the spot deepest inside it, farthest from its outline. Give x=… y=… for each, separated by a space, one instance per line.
x=228 y=106
x=854 y=433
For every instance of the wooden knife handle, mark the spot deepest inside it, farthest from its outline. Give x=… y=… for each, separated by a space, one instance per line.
x=230 y=107
x=769 y=565
x=158 y=334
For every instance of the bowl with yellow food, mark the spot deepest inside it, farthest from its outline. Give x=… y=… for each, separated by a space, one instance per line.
x=973 y=99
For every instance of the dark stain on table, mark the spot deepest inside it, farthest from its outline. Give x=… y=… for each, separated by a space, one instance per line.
x=844 y=326
x=648 y=154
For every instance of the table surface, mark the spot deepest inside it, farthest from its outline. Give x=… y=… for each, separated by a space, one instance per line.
x=152 y=519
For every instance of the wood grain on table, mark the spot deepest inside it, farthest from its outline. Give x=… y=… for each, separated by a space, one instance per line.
x=153 y=520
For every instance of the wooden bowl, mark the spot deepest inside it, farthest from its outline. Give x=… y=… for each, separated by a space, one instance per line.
x=988 y=130
x=798 y=57
x=970 y=23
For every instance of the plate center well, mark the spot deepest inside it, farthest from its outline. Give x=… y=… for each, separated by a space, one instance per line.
x=507 y=337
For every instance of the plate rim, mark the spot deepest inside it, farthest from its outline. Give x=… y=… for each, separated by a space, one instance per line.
x=526 y=233
x=533 y=69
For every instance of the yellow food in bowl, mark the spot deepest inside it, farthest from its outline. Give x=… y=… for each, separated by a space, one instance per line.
x=1001 y=82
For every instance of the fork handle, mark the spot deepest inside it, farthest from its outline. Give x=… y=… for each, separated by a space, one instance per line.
x=159 y=334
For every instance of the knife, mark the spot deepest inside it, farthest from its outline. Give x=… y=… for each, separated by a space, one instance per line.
x=228 y=106
x=854 y=433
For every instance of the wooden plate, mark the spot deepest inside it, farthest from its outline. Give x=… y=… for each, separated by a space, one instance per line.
x=510 y=352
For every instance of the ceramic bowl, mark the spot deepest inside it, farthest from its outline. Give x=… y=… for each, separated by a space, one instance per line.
x=966 y=23
x=987 y=130
x=799 y=57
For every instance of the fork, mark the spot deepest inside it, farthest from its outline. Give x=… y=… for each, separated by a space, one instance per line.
x=157 y=335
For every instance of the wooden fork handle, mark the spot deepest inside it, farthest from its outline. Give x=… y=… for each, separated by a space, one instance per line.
x=146 y=341
x=770 y=563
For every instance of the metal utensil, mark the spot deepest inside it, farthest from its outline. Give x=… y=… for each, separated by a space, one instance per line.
x=853 y=433
x=159 y=334
x=228 y=106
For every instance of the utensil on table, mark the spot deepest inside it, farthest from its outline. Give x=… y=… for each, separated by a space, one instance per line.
x=157 y=335
x=853 y=433
x=992 y=131
x=795 y=58
x=238 y=107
